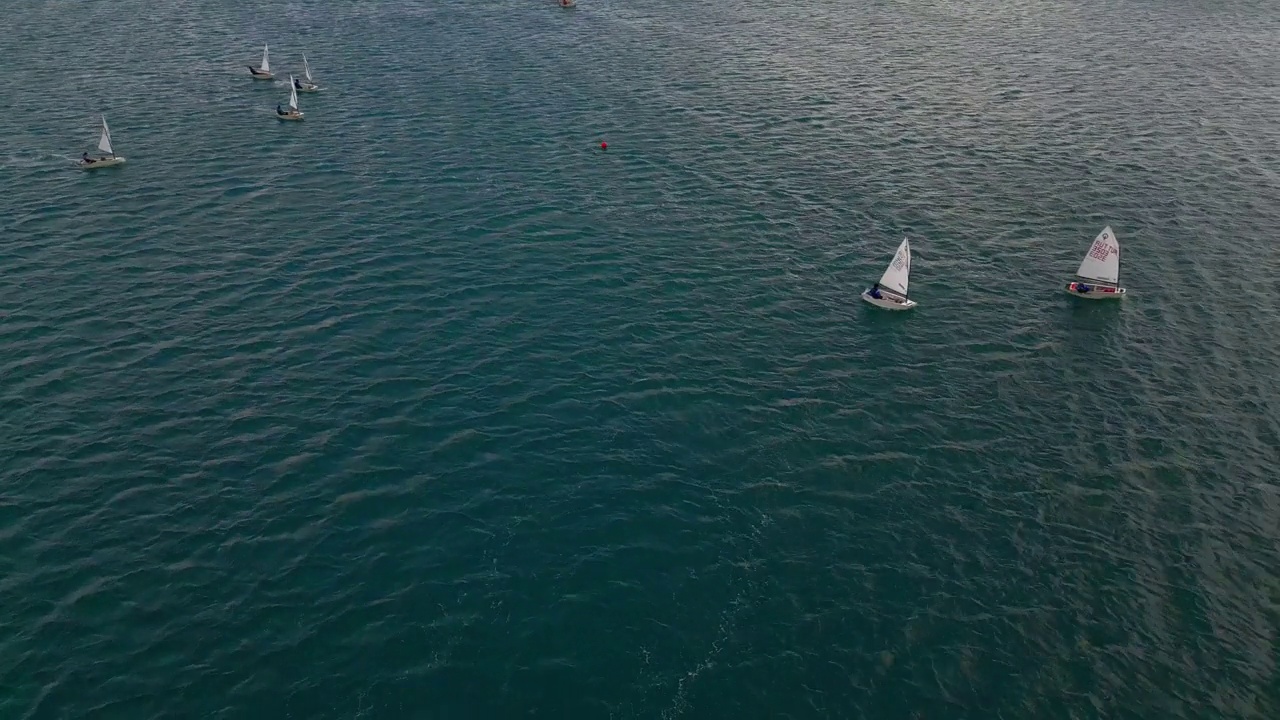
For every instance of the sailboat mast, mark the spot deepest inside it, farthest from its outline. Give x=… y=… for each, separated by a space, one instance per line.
x=907 y=294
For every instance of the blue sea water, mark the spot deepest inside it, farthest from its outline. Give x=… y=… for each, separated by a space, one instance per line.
x=425 y=407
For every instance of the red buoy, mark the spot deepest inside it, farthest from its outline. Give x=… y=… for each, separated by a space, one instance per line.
x=604 y=146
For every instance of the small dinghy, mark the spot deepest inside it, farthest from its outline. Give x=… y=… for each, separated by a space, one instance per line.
x=891 y=292
x=104 y=144
x=1099 y=275
x=309 y=84
x=263 y=72
x=293 y=113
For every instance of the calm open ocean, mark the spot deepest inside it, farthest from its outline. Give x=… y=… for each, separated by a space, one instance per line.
x=426 y=408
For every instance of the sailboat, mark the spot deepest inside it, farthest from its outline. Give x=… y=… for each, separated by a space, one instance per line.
x=104 y=144
x=309 y=84
x=891 y=292
x=264 y=71
x=1099 y=275
x=293 y=113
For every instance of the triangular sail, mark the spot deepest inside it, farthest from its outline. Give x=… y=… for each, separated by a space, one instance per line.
x=266 y=60
x=306 y=68
x=104 y=143
x=896 y=275
x=1102 y=263
x=293 y=94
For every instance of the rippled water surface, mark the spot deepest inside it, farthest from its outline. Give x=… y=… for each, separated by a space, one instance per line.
x=426 y=408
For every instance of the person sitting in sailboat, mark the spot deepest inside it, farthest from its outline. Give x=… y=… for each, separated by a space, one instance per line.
x=86 y=159
x=875 y=291
x=297 y=84
x=279 y=110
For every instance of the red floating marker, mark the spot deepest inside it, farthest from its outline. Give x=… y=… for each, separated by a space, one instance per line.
x=604 y=146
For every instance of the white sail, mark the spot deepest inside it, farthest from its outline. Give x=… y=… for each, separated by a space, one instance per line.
x=104 y=143
x=896 y=275
x=266 y=60
x=306 y=68
x=293 y=94
x=1102 y=263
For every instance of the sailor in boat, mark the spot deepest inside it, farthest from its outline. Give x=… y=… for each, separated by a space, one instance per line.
x=86 y=159
x=297 y=84
x=280 y=111
x=875 y=293
x=1082 y=288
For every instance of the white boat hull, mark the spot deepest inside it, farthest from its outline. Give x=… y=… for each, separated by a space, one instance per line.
x=259 y=75
x=106 y=162
x=290 y=116
x=312 y=88
x=1096 y=292
x=889 y=303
